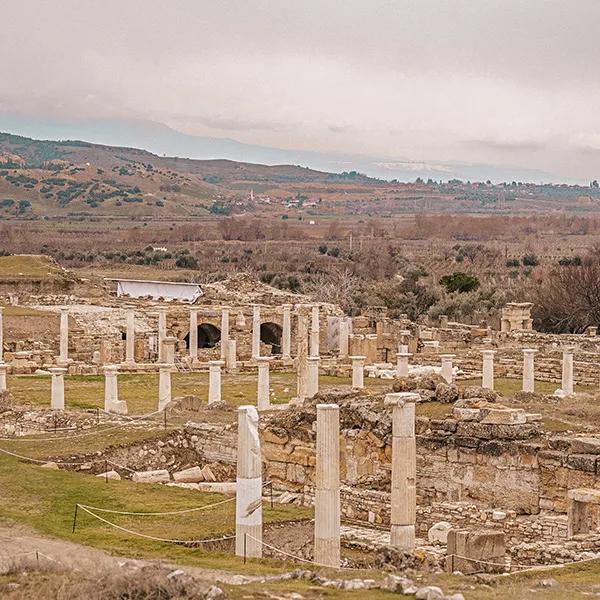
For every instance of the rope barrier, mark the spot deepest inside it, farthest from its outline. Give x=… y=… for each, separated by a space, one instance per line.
x=155 y=538
x=523 y=567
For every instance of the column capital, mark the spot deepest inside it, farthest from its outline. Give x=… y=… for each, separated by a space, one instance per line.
x=401 y=398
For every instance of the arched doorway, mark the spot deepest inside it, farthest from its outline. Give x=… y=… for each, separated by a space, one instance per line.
x=208 y=336
x=270 y=333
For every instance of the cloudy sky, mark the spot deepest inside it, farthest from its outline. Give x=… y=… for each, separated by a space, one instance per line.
x=514 y=83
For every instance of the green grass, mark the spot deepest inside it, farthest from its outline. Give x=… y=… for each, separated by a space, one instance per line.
x=508 y=387
x=22 y=266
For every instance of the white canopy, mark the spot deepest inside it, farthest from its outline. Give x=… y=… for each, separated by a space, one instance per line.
x=173 y=290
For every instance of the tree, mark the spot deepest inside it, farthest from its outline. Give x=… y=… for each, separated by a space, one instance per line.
x=459 y=282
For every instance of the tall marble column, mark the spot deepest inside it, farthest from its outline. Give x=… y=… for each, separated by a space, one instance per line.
x=248 y=497
x=255 y=331
x=344 y=337
x=327 y=493
x=225 y=331
x=263 y=393
x=168 y=350
x=314 y=330
x=487 y=379
x=231 y=358
x=286 y=332
x=164 y=385
x=57 y=394
x=63 y=357
x=528 y=369
x=193 y=339
x=358 y=372
x=404 y=468
x=162 y=332
x=214 y=380
x=3 y=386
x=130 y=336
x=1 y=333
x=111 y=391
x=446 y=371
x=567 y=370
x=302 y=353
x=402 y=363
x=312 y=376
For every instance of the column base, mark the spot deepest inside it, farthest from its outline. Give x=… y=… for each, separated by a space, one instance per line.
x=402 y=536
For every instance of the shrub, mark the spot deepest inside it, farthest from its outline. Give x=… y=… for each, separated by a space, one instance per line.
x=459 y=282
x=513 y=262
x=530 y=260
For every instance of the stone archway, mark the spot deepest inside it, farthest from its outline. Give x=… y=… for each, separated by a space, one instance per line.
x=270 y=333
x=208 y=336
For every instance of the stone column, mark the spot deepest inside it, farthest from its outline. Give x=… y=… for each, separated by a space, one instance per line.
x=231 y=358
x=286 y=333
x=446 y=371
x=3 y=386
x=193 y=335
x=327 y=493
x=344 y=335
x=214 y=380
x=358 y=372
x=404 y=468
x=567 y=370
x=57 y=395
x=224 y=331
x=314 y=331
x=168 y=350
x=63 y=357
x=528 y=370
x=255 y=331
x=487 y=379
x=263 y=401
x=130 y=337
x=302 y=355
x=164 y=385
x=1 y=333
x=248 y=497
x=402 y=363
x=162 y=332
x=312 y=379
x=111 y=391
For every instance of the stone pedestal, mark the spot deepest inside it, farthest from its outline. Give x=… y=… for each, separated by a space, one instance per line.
x=214 y=380
x=111 y=391
x=402 y=359
x=567 y=370
x=3 y=386
x=57 y=394
x=248 y=498
x=286 y=332
x=63 y=355
x=168 y=350
x=130 y=337
x=312 y=379
x=162 y=333
x=193 y=335
x=255 y=331
x=404 y=468
x=164 y=385
x=446 y=372
x=358 y=372
x=314 y=331
x=327 y=493
x=528 y=370
x=487 y=380
x=263 y=401
x=224 y=331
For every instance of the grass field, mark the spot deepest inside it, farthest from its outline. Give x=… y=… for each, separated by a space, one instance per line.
x=23 y=266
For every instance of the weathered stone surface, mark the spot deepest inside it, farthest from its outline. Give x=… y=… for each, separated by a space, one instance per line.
x=110 y=475
x=446 y=393
x=478 y=392
x=157 y=476
x=503 y=416
x=490 y=431
x=191 y=475
x=439 y=532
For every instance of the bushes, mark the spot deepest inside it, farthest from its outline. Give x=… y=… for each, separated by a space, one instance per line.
x=530 y=260
x=459 y=282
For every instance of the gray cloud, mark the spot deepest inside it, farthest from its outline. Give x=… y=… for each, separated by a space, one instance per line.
x=512 y=82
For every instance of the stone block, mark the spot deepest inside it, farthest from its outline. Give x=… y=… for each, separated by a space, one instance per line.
x=503 y=416
x=582 y=462
x=157 y=476
x=110 y=475
x=191 y=475
x=475 y=551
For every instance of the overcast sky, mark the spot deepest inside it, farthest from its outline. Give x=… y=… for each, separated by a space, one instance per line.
x=505 y=82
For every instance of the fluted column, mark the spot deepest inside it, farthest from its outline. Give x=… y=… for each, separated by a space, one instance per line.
x=302 y=354
x=404 y=467
x=402 y=363
x=225 y=331
x=446 y=371
x=162 y=332
x=111 y=391
x=528 y=370
x=312 y=376
x=314 y=331
x=164 y=385
x=63 y=357
x=263 y=393
x=358 y=372
x=193 y=339
x=3 y=386
x=231 y=358
x=248 y=497
x=255 y=331
x=214 y=380
x=327 y=493
x=286 y=332
x=487 y=379
x=57 y=394
x=130 y=336
x=567 y=370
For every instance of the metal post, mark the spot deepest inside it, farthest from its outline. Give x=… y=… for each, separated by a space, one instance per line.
x=75 y=518
x=165 y=418
x=97 y=415
x=245 y=536
x=106 y=470
x=271 y=486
